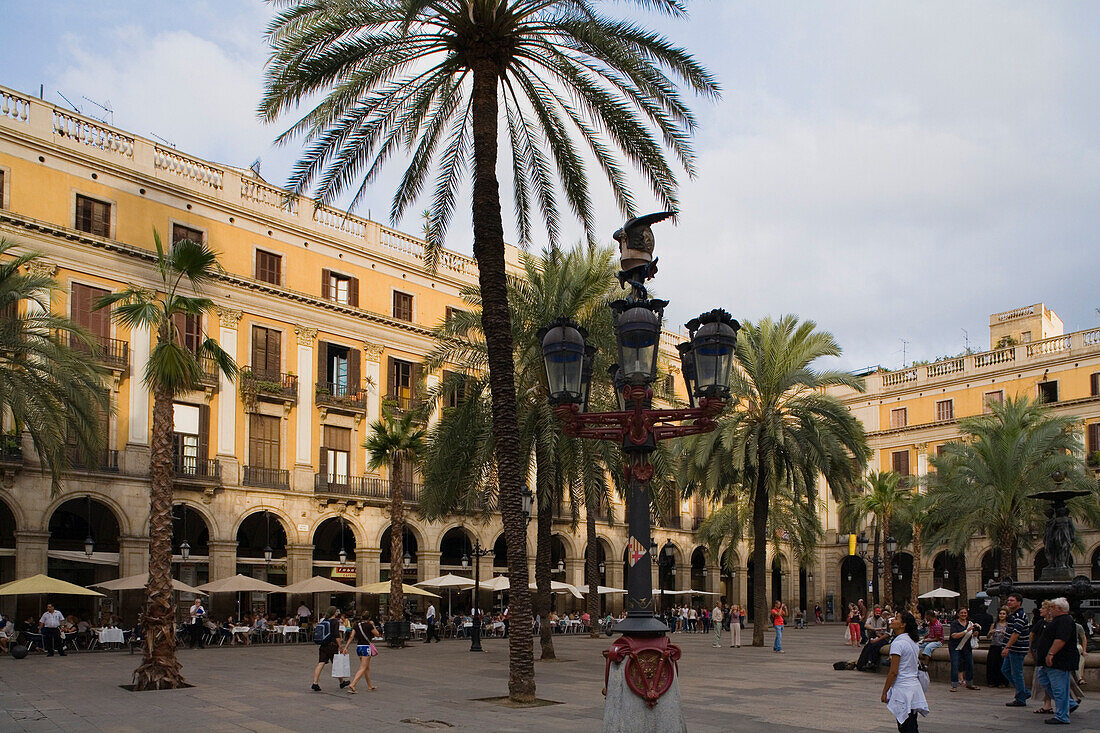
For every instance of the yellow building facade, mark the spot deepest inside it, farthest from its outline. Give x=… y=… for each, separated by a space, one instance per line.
x=327 y=313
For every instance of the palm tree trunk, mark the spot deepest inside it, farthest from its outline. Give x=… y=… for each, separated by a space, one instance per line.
x=914 y=582
x=496 y=324
x=964 y=595
x=159 y=667
x=544 y=534
x=1009 y=559
x=760 y=558
x=887 y=569
x=592 y=567
x=397 y=533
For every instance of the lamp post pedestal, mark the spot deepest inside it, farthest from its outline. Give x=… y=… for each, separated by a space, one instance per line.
x=643 y=692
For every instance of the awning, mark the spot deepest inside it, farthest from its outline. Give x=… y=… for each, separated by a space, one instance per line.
x=96 y=558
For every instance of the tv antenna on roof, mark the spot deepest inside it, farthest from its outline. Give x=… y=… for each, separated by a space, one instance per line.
x=966 y=337
x=904 y=346
x=105 y=107
x=75 y=108
x=166 y=142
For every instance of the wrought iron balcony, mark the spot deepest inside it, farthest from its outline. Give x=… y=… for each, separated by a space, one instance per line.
x=401 y=404
x=342 y=397
x=209 y=375
x=270 y=386
x=11 y=448
x=266 y=478
x=198 y=471
x=369 y=488
x=111 y=352
x=104 y=461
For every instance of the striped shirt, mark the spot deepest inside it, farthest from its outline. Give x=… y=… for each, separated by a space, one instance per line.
x=1017 y=624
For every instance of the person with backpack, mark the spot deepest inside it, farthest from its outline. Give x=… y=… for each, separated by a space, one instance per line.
x=361 y=638
x=326 y=634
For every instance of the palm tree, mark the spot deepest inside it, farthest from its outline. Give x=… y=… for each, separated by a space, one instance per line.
x=883 y=496
x=397 y=443
x=980 y=484
x=48 y=388
x=459 y=466
x=172 y=370
x=780 y=434
x=431 y=78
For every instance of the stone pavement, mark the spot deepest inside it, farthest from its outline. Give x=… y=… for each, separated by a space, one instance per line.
x=266 y=689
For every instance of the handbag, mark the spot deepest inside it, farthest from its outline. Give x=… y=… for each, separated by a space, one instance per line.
x=341 y=665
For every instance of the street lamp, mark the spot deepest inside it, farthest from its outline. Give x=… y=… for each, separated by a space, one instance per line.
x=343 y=552
x=891 y=545
x=185 y=550
x=267 y=546
x=706 y=361
x=89 y=543
x=561 y=566
x=475 y=631
x=527 y=503
x=862 y=542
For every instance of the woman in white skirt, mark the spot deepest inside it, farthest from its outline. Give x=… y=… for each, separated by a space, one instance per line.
x=903 y=692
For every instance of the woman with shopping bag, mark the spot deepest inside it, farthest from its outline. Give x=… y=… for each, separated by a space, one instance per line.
x=360 y=638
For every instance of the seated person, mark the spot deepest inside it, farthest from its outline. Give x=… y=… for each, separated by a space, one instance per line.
x=933 y=638
x=878 y=636
x=586 y=620
x=799 y=619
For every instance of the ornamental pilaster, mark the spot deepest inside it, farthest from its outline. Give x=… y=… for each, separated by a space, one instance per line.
x=306 y=335
x=229 y=317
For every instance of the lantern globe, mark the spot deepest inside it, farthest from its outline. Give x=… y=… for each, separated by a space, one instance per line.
x=89 y=545
x=563 y=351
x=713 y=340
x=185 y=550
x=638 y=333
x=687 y=367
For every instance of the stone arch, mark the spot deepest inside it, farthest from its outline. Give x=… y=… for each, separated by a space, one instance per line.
x=453 y=544
x=328 y=537
x=184 y=516
x=272 y=540
x=559 y=553
x=729 y=559
x=69 y=518
x=354 y=527
x=17 y=518
x=9 y=524
x=500 y=551
x=1094 y=561
x=413 y=545
x=121 y=517
x=411 y=527
x=288 y=525
x=212 y=524
x=571 y=552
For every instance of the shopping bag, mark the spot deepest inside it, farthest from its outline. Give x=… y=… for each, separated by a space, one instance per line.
x=341 y=666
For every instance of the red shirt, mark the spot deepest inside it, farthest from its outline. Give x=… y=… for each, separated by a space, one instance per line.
x=777 y=617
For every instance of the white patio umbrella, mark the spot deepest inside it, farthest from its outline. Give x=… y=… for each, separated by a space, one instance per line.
x=604 y=590
x=316 y=584
x=137 y=582
x=497 y=584
x=448 y=582
x=940 y=593
x=556 y=586
x=239 y=584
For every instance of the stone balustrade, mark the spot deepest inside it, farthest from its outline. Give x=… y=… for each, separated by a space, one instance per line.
x=190 y=168
x=995 y=359
x=1014 y=314
x=14 y=107
x=257 y=192
x=90 y=133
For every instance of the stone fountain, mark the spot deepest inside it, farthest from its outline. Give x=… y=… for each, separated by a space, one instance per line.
x=1057 y=579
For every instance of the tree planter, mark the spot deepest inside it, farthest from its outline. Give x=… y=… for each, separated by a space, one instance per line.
x=396 y=633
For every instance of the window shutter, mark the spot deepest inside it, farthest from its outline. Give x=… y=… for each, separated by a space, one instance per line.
x=322 y=361
x=274 y=363
x=391 y=377
x=1094 y=438
x=204 y=432
x=259 y=348
x=179 y=322
x=353 y=292
x=326 y=284
x=353 y=370
x=101 y=224
x=322 y=463
x=414 y=381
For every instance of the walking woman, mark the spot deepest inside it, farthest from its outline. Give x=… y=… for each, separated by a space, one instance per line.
x=360 y=638
x=997 y=637
x=735 y=627
x=902 y=691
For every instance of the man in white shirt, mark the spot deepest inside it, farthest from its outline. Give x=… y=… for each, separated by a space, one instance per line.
x=197 y=615
x=716 y=619
x=303 y=614
x=50 y=628
x=432 y=620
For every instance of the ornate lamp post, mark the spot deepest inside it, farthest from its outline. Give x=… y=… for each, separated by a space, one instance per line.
x=642 y=658
x=478 y=552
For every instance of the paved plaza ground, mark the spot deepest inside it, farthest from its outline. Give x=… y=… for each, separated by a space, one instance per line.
x=266 y=689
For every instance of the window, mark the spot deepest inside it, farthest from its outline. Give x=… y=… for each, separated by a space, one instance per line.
x=899 y=417
x=266 y=351
x=263 y=441
x=1092 y=438
x=335 y=455
x=338 y=367
x=1048 y=392
x=93 y=216
x=941 y=448
x=84 y=313
x=180 y=233
x=191 y=425
x=402 y=306
x=991 y=398
x=2 y=181
x=455 y=387
x=452 y=313
x=945 y=410
x=189 y=329
x=1094 y=384
x=403 y=376
x=340 y=288
x=899 y=462
x=1025 y=337
x=269 y=267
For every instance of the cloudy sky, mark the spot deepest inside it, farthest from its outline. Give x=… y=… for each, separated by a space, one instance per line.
x=893 y=170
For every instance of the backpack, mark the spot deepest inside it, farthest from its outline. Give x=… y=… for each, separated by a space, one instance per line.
x=322 y=632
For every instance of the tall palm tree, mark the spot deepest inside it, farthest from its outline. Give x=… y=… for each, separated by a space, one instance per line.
x=575 y=284
x=430 y=77
x=780 y=434
x=883 y=496
x=980 y=484
x=184 y=271
x=47 y=388
x=397 y=443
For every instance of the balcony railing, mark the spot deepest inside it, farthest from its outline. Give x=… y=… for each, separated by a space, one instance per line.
x=341 y=396
x=199 y=470
x=672 y=521
x=112 y=352
x=11 y=448
x=209 y=371
x=277 y=386
x=363 y=487
x=403 y=404
x=267 y=478
x=105 y=461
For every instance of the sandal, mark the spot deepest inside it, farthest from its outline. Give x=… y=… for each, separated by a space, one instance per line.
x=1043 y=711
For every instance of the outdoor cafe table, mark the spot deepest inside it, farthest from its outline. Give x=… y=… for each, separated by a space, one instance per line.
x=417 y=629
x=284 y=631
x=110 y=635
